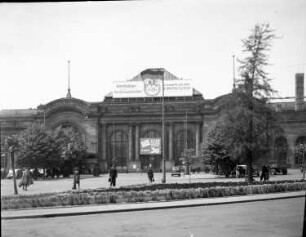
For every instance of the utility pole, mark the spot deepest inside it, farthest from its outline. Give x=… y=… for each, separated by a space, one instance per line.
x=163 y=131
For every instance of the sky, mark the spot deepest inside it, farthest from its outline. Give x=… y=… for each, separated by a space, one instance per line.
x=115 y=41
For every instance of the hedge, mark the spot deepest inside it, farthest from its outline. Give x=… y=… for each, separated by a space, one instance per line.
x=146 y=194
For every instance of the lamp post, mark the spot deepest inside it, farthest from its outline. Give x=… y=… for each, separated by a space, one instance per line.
x=151 y=88
x=11 y=150
x=163 y=132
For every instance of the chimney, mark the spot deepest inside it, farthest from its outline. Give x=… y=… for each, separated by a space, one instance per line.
x=299 y=91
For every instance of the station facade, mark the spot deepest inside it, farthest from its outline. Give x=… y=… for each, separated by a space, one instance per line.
x=116 y=129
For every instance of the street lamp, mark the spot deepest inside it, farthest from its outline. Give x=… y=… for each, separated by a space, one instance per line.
x=163 y=131
x=157 y=73
x=12 y=150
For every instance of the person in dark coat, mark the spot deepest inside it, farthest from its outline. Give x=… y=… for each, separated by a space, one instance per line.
x=76 y=179
x=113 y=176
x=264 y=173
x=26 y=179
x=151 y=175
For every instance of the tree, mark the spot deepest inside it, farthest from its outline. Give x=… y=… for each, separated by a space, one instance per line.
x=188 y=158
x=254 y=84
x=72 y=147
x=301 y=151
x=216 y=150
x=38 y=148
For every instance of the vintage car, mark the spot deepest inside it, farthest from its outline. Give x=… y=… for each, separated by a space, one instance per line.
x=176 y=171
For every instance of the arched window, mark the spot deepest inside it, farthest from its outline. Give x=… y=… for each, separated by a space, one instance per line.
x=152 y=161
x=298 y=157
x=118 y=149
x=280 y=150
x=180 y=143
x=151 y=134
x=69 y=128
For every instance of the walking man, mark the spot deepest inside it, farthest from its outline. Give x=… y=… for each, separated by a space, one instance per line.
x=76 y=179
x=151 y=175
x=113 y=176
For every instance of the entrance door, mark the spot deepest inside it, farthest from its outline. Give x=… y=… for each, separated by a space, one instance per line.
x=150 y=161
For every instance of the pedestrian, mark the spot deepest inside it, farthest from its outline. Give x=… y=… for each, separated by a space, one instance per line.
x=26 y=179
x=151 y=175
x=268 y=172
x=263 y=175
x=237 y=172
x=112 y=176
x=241 y=172
x=76 y=178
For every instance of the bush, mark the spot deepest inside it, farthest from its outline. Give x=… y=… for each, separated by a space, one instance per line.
x=102 y=196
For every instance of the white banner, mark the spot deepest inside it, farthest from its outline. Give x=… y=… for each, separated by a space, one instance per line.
x=151 y=88
x=150 y=146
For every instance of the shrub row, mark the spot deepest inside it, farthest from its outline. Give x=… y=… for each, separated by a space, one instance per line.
x=119 y=196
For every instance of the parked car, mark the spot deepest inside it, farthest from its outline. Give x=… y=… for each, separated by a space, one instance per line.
x=176 y=171
x=244 y=171
x=278 y=169
x=18 y=174
x=37 y=173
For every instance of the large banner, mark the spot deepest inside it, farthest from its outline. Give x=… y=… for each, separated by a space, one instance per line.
x=151 y=87
x=150 y=146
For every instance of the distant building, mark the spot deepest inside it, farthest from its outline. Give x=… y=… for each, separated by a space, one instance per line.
x=125 y=128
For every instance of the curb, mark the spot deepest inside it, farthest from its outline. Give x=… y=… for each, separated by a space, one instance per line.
x=131 y=207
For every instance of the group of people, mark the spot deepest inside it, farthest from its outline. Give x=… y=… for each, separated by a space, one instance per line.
x=113 y=176
x=27 y=180
x=240 y=172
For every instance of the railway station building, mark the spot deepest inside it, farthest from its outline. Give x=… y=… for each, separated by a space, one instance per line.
x=126 y=127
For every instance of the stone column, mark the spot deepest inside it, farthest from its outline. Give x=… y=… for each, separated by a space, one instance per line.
x=104 y=146
x=299 y=91
x=197 y=139
x=137 y=143
x=171 y=143
x=130 y=143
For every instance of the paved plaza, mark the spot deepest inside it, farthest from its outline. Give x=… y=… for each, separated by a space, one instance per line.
x=125 y=179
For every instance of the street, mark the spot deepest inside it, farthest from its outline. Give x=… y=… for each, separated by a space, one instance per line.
x=266 y=218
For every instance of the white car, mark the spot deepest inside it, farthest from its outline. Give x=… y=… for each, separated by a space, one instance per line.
x=18 y=174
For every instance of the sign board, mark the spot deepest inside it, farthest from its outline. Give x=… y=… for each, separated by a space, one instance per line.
x=152 y=87
x=150 y=146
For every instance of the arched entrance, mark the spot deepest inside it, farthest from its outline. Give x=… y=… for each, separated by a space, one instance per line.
x=182 y=140
x=151 y=161
x=76 y=137
x=298 y=157
x=280 y=150
x=118 y=151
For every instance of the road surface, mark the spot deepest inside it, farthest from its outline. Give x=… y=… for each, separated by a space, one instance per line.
x=265 y=218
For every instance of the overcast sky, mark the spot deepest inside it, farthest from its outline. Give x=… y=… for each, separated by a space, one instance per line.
x=115 y=41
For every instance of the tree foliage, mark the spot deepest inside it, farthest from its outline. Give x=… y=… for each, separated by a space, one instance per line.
x=38 y=148
x=12 y=143
x=255 y=80
x=188 y=157
x=43 y=148
x=247 y=123
x=254 y=86
x=72 y=143
x=301 y=152
x=217 y=149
